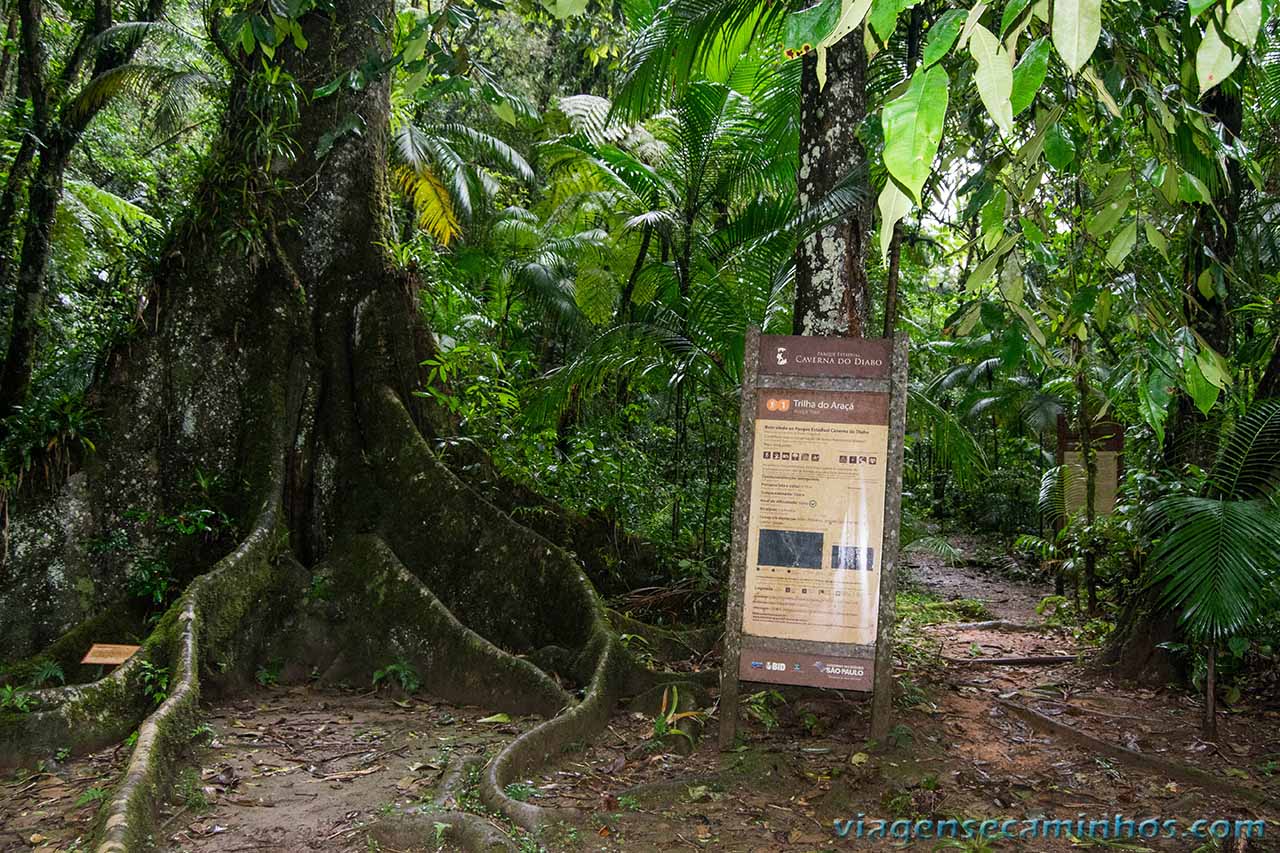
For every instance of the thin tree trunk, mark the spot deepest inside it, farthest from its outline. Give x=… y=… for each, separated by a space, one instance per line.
x=624 y=304
x=833 y=295
x=14 y=187
x=33 y=262
x=6 y=63
x=57 y=140
x=1209 y=726
x=1090 y=460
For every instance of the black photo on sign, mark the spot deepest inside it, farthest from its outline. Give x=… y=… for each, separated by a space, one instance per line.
x=853 y=557
x=791 y=549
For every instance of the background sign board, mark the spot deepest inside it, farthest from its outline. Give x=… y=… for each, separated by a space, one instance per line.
x=1107 y=439
x=815 y=524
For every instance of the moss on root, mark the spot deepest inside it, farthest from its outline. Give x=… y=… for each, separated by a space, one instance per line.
x=444 y=580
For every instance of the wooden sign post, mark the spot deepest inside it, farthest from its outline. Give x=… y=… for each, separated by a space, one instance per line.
x=813 y=565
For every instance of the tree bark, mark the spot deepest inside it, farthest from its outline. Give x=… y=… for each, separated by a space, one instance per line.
x=33 y=262
x=1084 y=424
x=6 y=63
x=286 y=365
x=1209 y=726
x=833 y=295
x=56 y=139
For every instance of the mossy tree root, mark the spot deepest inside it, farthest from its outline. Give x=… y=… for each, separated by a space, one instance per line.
x=392 y=615
x=85 y=717
x=509 y=584
x=209 y=615
x=469 y=831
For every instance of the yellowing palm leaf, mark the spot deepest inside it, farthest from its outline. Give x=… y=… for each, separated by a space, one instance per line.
x=431 y=201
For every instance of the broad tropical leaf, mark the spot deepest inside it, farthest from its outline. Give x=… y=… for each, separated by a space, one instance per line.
x=913 y=128
x=1076 y=26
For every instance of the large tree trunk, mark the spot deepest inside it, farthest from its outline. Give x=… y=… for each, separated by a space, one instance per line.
x=832 y=292
x=286 y=365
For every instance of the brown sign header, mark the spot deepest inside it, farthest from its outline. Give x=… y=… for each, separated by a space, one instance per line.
x=1103 y=435
x=831 y=407
x=853 y=358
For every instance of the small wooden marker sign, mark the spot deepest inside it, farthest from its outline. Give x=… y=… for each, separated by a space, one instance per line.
x=1107 y=440
x=813 y=566
x=107 y=654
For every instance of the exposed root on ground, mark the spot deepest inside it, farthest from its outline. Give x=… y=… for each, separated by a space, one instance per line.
x=1141 y=761
x=446 y=820
x=428 y=573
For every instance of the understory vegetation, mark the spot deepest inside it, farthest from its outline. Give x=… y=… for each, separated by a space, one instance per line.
x=1071 y=208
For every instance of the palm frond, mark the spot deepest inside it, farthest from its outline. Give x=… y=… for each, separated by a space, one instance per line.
x=1248 y=463
x=954 y=446
x=1217 y=561
x=163 y=87
x=432 y=202
x=490 y=149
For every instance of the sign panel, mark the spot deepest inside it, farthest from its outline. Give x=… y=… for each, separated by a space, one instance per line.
x=1107 y=439
x=109 y=654
x=815 y=530
x=814 y=538
x=845 y=358
x=833 y=671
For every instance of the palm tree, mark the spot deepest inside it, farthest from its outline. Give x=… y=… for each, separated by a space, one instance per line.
x=444 y=171
x=1217 y=561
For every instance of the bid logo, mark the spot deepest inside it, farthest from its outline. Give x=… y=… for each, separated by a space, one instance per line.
x=782 y=356
x=778 y=405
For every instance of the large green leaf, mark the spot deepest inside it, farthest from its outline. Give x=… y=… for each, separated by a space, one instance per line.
x=1101 y=223
x=804 y=29
x=1011 y=14
x=883 y=16
x=1245 y=21
x=1214 y=59
x=1029 y=75
x=913 y=128
x=1153 y=402
x=1202 y=392
x=1059 y=149
x=994 y=78
x=943 y=35
x=1123 y=244
x=564 y=9
x=1076 y=26
x=894 y=204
